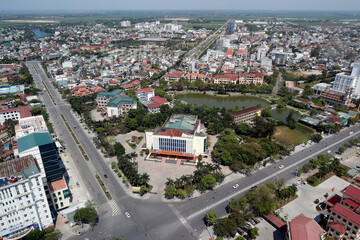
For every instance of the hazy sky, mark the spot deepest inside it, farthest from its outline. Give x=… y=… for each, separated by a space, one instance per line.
x=317 y=5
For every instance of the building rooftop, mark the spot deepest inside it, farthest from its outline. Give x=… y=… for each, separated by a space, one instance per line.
x=58 y=185
x=148 y=90
x=111 y=94
x=304 y=228
x=34 y=139
x=183 y=122
x=352 y=192
x=252 y=109
x=115 y=102
x=347 y=214
x=24 y=166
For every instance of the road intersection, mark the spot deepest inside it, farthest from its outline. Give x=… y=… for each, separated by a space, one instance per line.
x=154 y=219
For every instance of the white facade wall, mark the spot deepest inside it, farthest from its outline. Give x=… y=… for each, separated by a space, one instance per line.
x=15 y=115
x=24 y=203
x=145 y=96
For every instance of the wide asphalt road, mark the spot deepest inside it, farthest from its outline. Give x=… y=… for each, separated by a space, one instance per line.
x=152 y=219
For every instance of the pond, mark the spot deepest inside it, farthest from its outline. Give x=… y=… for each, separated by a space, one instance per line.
x=229 y=102
x=39 y=34
x=281 y=114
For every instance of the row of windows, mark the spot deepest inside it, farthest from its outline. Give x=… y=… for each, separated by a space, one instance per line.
x=175 y=145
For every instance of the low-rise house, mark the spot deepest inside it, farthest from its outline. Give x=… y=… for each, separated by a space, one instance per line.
x=135 y=84
x=155 y=103
x=145 y=94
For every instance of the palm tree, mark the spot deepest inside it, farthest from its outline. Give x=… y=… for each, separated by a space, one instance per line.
x=178 y=183
x=169 y=182
x=144 y=178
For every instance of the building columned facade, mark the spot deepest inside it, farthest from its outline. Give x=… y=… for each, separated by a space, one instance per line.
x=180 y=136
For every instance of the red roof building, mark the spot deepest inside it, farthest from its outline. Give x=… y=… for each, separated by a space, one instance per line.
x=304 y=228
x=135 y=84
x=246 y=115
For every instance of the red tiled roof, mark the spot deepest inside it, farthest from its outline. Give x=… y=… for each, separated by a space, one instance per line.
x=352 y=192
x=334 y=200
x=98 y=89
x=173 y=132
x=24 y=111
x=148 y=90
x=136 y=82
x=158 y=101
x=246 y=110
x=347 y=214
x=179 y=154
x=304 y=228
x=351 y=203
x=174 y=74
x=337 y=227
x=230 y=52
x=58 y=185
x=276 y=222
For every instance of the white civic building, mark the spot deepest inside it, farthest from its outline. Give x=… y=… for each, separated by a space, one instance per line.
x=182 y=138
x=24 y=206
x=345 y=81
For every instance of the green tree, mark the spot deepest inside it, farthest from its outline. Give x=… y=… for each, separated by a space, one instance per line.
x=35 y=235
x=180 y=193
x=170 y=192
x=317 y=137
x=211 y=217
x=291 y=121
x=87 y=214
x=143 y=190
x=119 y=148
x=208 y=181
x=254 y=232
x=315 y=52
x=262 y=199
x=266 y=113
x=52 y=234
x=225 y=227
x=341 y=150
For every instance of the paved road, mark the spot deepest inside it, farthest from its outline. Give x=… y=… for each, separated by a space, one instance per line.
x=277 y=84
x=161 y=221
x=199 y=49
x=152 y=219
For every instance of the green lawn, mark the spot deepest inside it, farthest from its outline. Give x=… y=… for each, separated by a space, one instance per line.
x=289 y=137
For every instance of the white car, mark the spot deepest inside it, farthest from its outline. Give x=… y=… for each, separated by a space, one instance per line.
x=357 y=168
x=127 y=215
x=281 y=166
x=236 y=186
x=329 y=151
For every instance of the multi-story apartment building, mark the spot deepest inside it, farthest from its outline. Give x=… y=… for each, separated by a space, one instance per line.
x=41 y=146
x=344 y=217
x=246 y=115
x=24 y=206
x=29 y=125
x=145 y=94
x=14 y=113
x=180 y=136
x=345 y=81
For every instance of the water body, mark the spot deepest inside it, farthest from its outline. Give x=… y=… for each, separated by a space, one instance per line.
x=39 y=34
x=229 y=102
x=283 y=113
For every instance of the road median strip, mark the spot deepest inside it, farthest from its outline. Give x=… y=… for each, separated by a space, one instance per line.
x=75 y=138
x=103 y=187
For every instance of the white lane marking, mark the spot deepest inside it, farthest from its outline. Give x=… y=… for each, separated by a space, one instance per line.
x=183 y=220
x=268 y=177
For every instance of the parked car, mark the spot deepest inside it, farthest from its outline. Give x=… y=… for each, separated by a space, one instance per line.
x=105 y=176
x=127 y=215
x=357 y=168
x=281 y=166
x=81 y=232
x=236 y=186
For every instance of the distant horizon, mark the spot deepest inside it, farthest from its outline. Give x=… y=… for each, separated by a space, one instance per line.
x=184 y=5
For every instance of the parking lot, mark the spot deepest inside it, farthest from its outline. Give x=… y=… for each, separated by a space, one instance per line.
x=307 y=194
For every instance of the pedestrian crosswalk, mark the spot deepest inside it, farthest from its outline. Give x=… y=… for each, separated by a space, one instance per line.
x=115 y=208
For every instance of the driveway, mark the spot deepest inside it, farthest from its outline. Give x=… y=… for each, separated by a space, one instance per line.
x=307 y=194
